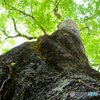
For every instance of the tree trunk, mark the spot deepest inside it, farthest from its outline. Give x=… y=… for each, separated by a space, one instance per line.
x=48 y=69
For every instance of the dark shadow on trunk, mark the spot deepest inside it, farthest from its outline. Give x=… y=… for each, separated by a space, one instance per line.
x=48 y=69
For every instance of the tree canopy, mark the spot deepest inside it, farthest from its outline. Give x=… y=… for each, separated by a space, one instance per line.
x=30 y=19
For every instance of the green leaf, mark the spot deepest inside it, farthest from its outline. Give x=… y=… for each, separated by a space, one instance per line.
x=12 y=64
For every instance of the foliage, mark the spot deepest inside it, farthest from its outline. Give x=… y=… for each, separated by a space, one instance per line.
x=32 y=18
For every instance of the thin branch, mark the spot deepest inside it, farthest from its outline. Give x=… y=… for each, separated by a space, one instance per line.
x=15 y=56
x=43 y=30
x=84 y=28
x=23 y=13
x=56 y=9
x=95 y=65
x=29 y=16
x=7 y=34
x=92 y=16
x=31 y=7
x=95 y=34
x=19 y=34
x=3 y=84
x=10 y=70
x=89 y=85
x=9 y=76
x=86 y=23
x=4 y=32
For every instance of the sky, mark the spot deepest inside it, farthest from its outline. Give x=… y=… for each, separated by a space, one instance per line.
x=79 y=1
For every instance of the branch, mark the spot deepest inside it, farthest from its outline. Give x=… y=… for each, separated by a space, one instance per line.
x=9 y=76
x=31 y=7
x=89 y=85
x=10 y=69
x=92 y=16
x=31 y=17
x=19 y=34
x=88 y=19
x=56 y=9
x=84 y=28
x=95 y=64
x=23 y=13
x=7 y=34
x=87 y=26
x=27 y=15
x=15 y=56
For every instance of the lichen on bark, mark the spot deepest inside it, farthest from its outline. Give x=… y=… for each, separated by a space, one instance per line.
x=48 y=69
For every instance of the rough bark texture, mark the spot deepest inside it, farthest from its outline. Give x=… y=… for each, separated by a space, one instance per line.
x=48 y=69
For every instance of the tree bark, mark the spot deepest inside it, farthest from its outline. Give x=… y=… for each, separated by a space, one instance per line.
x=48 y=69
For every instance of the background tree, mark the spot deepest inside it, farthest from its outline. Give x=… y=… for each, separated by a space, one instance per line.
x=33 y=18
